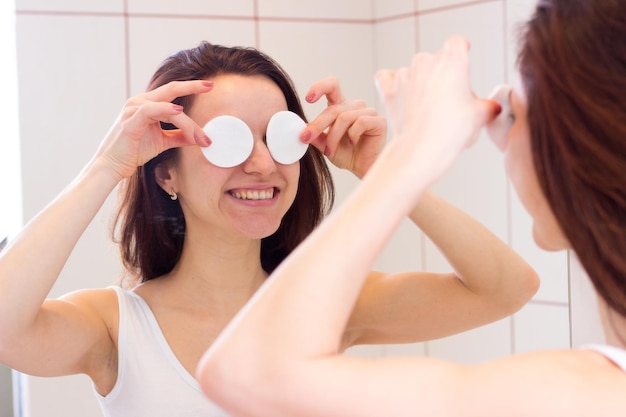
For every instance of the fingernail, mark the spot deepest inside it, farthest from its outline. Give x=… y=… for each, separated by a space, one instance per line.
x=207 y=139
x=207 y=83
x=177 y=107
x=497 y=109
x=305 y=137
x=310 y=97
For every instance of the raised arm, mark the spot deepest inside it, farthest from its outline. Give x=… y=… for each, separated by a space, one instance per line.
x=71 y=335
x=488 y=280
x=281 y=350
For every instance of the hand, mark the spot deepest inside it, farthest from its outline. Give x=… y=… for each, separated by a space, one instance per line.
x=136 y=137
x=350 y=134
x=431 y=104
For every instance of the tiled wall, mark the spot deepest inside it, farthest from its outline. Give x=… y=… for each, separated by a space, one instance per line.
x=79 y=61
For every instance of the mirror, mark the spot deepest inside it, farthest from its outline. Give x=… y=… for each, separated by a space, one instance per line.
x=79 y=61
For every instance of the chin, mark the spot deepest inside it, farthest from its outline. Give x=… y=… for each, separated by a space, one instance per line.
x=259 y=230
x=554 y=242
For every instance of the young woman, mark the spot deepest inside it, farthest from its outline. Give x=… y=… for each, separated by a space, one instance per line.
x=198 y=239
x=565 y=154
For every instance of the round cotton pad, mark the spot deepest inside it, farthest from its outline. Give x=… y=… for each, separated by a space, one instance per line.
x=283 y=141
x=499 y=127
x=231 y=141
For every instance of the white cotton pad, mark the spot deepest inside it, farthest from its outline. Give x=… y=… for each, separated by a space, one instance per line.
x=498 y=129
x=282 y=136
x=231 y=141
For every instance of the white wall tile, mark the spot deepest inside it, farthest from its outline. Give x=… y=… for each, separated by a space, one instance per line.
x=72 y=85
x=586 y=326
x=396 y=43
x=478 y=345
x=517 y=12
x=318 y=9
x=10 y=169
x=482 y=25
x=391 y=8
x=552 y=267
x=193 y=7
x=152 y=39
x=68 y=396
x=541 y=327
x=365 y=351
x=77 y=6
x=406 y=349
x=404 y=250
x=312 y=51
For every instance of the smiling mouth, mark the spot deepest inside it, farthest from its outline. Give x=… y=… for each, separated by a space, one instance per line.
x=266 y=194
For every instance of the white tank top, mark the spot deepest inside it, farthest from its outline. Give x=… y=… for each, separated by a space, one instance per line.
x=151 y=381
x=612 y=353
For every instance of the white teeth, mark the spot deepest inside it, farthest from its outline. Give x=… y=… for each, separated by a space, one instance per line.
x=254 y=194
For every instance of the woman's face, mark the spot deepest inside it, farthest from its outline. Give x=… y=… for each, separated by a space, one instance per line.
x=520 y=168
x=249 y=199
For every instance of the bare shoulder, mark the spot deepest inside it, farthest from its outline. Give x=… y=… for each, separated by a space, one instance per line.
x=96 y=298
x=100 y=302
x=574 y=382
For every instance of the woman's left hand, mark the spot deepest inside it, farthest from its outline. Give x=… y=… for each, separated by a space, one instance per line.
x=349 y=133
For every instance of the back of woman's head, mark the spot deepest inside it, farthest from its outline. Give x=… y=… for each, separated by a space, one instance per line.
x=573 y=67
x=150 y=227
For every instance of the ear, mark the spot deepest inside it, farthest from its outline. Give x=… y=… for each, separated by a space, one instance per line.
x=163 y=175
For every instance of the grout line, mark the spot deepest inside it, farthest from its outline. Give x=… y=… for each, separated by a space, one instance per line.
x=549 y=303
x=256 y=17
x=569 y=299
x=257 y=26
x=127 y=47
x=456 y=6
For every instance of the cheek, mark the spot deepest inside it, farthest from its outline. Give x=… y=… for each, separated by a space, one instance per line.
x=292 y=175
x=546 y=231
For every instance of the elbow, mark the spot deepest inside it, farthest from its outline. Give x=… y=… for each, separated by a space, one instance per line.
x=527 y=286
x=218 y=380
x=232 y=382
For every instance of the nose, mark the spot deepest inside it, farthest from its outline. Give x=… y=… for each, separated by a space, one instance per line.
x=260 y=160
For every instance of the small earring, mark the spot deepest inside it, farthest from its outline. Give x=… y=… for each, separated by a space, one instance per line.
x=173 y=194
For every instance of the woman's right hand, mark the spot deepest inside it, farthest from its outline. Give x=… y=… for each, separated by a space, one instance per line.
x=136 y=137
x=432 y=107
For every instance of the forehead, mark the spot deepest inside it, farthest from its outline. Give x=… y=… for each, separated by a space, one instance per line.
x=254 y=99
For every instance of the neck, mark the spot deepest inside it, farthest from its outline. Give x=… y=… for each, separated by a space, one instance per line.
x=223 y=275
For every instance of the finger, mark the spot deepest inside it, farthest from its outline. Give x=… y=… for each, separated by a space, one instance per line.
x=137 y=118
x=327 y=118
x=384 y=81
x=328 y=87
x=370 y=125
x=456 y=44
x=344 y=125
x=152 y=112
x=193 y=133
x=488 y=110
x=175 y=89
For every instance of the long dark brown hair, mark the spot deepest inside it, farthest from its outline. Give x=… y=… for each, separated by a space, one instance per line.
x=150 y=227
x=573 y=66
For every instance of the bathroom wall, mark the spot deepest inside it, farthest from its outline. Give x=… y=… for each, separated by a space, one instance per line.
x=79 y=61
x=11 y=202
